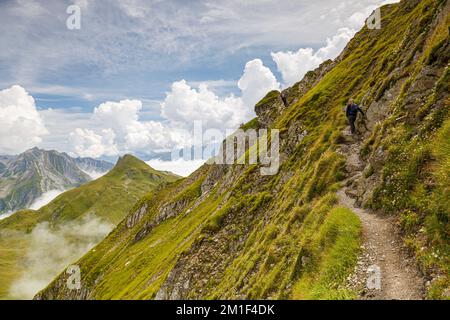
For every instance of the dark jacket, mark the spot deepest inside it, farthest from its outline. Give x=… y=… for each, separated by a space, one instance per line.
x=352 y=110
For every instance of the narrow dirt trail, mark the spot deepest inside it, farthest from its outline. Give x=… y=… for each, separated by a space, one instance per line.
x=382 y=246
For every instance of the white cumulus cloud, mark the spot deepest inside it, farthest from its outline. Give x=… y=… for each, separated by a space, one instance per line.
x=21 y=126
x=118 y=127
x=87 y=143
x=115 y=128
x=256 y=81
x=294 y=65
x=180 y=166
x=132 y=134
x=184 y=104
x=118 y=115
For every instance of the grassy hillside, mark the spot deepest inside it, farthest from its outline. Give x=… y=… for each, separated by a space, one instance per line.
x=229 y=232
x=104 y=200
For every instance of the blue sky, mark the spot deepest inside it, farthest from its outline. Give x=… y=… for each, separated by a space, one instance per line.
x=140 y=50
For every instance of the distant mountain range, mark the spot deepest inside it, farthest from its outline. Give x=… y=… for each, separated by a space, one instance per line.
x=27 y=176
x=35 y=245
x=92 y=166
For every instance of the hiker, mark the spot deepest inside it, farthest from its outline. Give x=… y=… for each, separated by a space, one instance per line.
x=352 y=111
x=283 y=98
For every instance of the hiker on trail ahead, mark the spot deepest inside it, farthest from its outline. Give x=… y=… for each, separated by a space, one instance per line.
x=351 y=111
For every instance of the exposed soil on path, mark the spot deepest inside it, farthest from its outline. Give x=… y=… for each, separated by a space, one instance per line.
x=382 y=250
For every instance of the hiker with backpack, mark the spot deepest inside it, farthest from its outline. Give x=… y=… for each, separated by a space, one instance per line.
x=351 y=112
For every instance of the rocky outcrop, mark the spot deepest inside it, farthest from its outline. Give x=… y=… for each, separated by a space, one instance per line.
x=136 y=216
x=292 y=94
x=275 y=102
x=215 y=174
x=60 y=286
x=269 y=108
x=167 y=211
x=410 y=95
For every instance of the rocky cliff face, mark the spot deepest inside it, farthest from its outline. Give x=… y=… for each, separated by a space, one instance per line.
x=25 y=177
x=229 y=232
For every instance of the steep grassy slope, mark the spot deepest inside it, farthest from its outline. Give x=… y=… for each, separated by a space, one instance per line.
x=104 y=200
x=229 y=232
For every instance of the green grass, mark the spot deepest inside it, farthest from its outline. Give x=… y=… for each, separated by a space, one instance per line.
x=269 y=99
x=271 y=260
x=252 y=124
x=12 y=248
x=167 y=241
x=334 y=252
